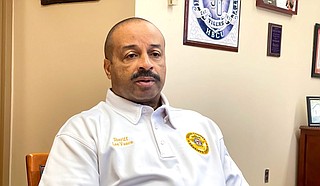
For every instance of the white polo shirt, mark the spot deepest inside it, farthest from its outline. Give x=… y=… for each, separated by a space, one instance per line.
x=121 y=143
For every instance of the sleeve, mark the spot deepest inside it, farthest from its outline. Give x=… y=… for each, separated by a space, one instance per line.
x=233 y=175
x=72 y=161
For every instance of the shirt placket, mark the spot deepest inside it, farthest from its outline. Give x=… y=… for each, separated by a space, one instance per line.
x=162 y=142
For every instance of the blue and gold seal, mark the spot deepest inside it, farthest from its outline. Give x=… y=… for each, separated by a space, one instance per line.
x=197 y=142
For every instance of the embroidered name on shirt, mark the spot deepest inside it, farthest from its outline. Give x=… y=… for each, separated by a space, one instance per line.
x=120 y=142
x=197 y=142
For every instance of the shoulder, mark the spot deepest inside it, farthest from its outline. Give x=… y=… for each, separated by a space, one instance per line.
x=192 y=121
x=178 y=113
x=190 y=116
x=84 y=124
x=92 y=114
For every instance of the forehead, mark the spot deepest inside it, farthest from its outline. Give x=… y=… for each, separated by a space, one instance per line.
x=137 y=32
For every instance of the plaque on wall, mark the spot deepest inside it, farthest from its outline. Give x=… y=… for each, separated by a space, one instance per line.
x=315 y=70
x=284 y=6
x=212 y=24
x=274 y=40
x=313 y=111
x=48 y=2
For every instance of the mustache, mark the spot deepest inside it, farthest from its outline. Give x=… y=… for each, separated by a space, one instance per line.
x=145 y=73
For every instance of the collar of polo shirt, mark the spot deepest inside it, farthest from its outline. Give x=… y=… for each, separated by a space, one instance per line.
x=133 y=111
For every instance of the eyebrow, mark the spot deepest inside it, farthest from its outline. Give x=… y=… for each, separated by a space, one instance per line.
x=129 y=46
x=155 y=45
x=135 y=46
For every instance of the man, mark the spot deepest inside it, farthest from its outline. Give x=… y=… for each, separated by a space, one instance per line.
x=135 y=137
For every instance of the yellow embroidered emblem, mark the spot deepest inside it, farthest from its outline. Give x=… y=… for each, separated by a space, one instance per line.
x=197 y=142
x=120 y=142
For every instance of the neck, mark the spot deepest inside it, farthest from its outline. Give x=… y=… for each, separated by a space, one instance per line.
x=154 y=105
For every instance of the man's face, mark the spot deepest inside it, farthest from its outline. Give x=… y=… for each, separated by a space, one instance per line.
x=137 y=69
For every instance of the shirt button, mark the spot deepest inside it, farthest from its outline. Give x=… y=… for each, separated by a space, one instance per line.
x=162 y=142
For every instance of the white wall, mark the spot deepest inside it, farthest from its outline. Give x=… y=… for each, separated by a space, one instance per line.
x=258 y=101
x=58 y=69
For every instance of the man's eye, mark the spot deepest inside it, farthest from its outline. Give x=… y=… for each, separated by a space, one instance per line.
x=156 y=54
x=131 y=56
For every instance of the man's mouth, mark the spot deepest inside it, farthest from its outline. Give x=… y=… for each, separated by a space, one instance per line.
x=145 y=81
x=145 y=76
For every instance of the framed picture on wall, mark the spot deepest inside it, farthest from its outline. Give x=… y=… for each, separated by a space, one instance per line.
x=313 y=110
x=212 y=24
x=48 y=2
x=274 y=40
x=315 y=69
x=284 y=6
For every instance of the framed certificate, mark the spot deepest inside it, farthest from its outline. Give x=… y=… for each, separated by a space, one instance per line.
x=48 y=2
x=274 y=40
x=315 y=69
x=212 y=24
x=284 y=6
x=313 y=110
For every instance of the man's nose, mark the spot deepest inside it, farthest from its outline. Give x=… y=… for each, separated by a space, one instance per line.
x=145 y=63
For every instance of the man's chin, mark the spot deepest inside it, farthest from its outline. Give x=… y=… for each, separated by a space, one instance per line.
x=147 y=99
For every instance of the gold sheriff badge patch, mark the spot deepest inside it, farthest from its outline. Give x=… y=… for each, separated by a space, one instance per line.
x=197 y=142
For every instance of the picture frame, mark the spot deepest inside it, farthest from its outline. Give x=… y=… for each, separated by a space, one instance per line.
x=212 y=24
x=313 y=111
x=289 y=7
x=274 y=40
x=315 y=69
x=48 y=2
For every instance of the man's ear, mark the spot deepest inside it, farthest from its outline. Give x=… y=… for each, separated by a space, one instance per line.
x=107 y=66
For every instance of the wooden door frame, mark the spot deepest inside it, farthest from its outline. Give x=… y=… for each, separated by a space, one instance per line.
x=6 y=89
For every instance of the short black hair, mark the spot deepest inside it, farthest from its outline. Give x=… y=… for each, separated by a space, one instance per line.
x=108 y=45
